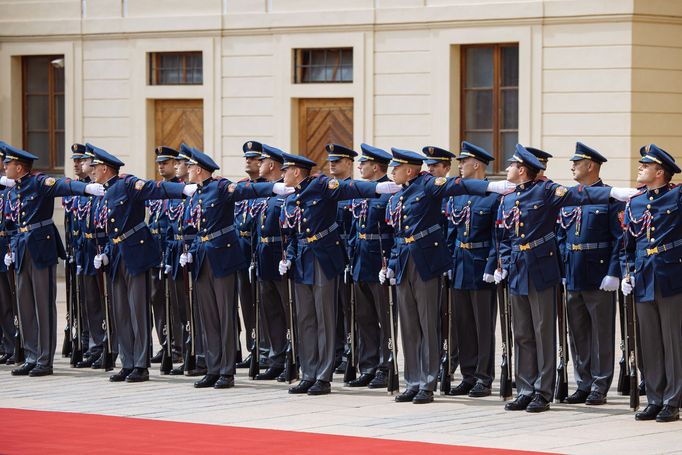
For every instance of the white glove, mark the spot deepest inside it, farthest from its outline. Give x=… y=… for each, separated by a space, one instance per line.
x=628 y=284
x=500 y=274
x=284 y=266
x=449 y=274
x=609 y=283
x=185 y=258
x=563 y=281
x=100 y=260
x=189 y=189
x=10 y=258
x=96 y=189
x=167 y=269
x=281 y=189
x=623 y=194
x=9 y=183
x=387 y=188
x=488 y=278
x=387 y=274
x=501 y=186
x=79 y=269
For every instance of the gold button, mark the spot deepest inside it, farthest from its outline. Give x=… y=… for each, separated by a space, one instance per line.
x=535 y=206
x=314 y=202
x=229 y=245
x=401 y=198
x=141 y=241
x=115 y=229
x=262 y=226
x=407 y=227
x=48 y=237
x=518 y=193
x=517 y=202
x=337 y=242
x=469 y=202
x=307 y=229
x=651 y=198
x=213 y=205
x=23 y=213
x=416 y=199
x=523 y=236
x=404 y=217
x=596 y=211
x=113 y=220
x=363 y=226
x=648 y=206
x=466 y=233
x=551 y=253
x=601 y=261
x=305 y=220
x=203 y=219
x=668 y=212
x=521 y=224
x=481 y=212
x=200 y=200
x=298 y=202
x=652 y=239
x=435 y=243
x=653 y=228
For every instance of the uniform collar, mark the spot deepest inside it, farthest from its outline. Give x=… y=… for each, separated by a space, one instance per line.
x=525 y=185
x=206 y=181
x=656 y=192
x=111 y=181
x=304 y=184
x=410 y=182
x=383 y=179
x=24 y=177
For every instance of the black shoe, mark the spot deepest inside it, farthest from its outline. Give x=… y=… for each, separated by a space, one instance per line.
x=649 y=413
x=23 y=370
x=197 y=372
x=407 y=396
x=282 y=377
x=539 y=404
x=301 y=387
x=4 y=358
x=462 y=389
x=177 y=357
x=11 y=360
x=341 y=369
x=138 y=375
x=479 y=391
x=269 y=374
x=423 y=397
x=320 y=388
x=595 y=398
x=40 y=370
x=380 y=381
x=668 y=414
x=577 y=397
x=178 y=371
x=98 y=364
x=246 y=363
x=207 y=381
x=224 y=382
x=362 y=381
x=519 y=404
x=87 y=363
x=642 y=388
x=157 y=357
x=121 y=375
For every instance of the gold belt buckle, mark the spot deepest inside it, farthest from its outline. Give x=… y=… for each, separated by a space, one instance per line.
x=204 y=238
x=312 y=239
x=524 y=247
x=362 y=236
x=650 y=251
x=117 y=240
x=409 y=239
x=464 y=245
x=576 y=247
x=23 y=229
x=88 y=235
x=244 y=234
x=264 y=240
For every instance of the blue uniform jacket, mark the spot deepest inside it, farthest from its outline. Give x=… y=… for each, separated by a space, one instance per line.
x=244 y=214
x=269 y=243
x=5 y=232
x=415 y=212
x=160 y=211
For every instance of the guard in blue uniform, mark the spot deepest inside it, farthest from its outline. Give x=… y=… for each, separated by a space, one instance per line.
x=131 y=253
x=215 y=257
x=529 y=216
x=653 y=267
x=7 y=302
x=590 y=242
x=35 y=249
x=371 y=233
x=474 y=314
x=317 y=252
x=418 y=259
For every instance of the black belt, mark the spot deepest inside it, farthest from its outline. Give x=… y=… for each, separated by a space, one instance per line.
x=471 y=245
x=186 y=237
x=216 y=234
x=319 y=235
x=534 y=243
x=588 y=246
x=362 y=236
x=33 y=226
x=418 y=235
x=271 y=239
x=8 y=233
x=128 y=234
x=96 y=235
x=663 y=248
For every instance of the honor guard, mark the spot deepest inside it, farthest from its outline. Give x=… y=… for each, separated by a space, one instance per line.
x=543 y=157
x=36 y=247
x=215 y=257
x=7 y=300
x=317 y=253
x=160 y=213
x=528 y=214
x=131 y=253
x=372 y=243
x=472 y=221
x=653 y=267
x=590 y=242
x=418 y=259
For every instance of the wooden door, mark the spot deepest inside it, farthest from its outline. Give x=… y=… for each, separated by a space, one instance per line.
x=323 y=121
x=178 y=121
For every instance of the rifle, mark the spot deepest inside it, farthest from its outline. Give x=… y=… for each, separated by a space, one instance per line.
x=631 y=334
x=190 y=361
x=506 y=373
x=446 y=335
x=254 y=364
x=290 y=360
x=76 y=338
x=107 y=356
x=561 y=392
x=18 y=354
x=623 y=375
x=393 y=382
x=66 y=344
x=351 y=371
x=167 y=355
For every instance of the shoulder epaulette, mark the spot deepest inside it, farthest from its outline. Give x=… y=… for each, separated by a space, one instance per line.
x=222 y=182
x=245 y=179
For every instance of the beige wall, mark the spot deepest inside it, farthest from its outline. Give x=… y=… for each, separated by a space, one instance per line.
x=605 y=72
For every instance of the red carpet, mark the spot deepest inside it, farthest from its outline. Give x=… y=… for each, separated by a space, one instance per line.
x=31 y=432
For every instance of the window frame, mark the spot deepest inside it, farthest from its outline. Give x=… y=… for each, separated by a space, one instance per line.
x=497 y=90
x=298 y=66
x=155 y=67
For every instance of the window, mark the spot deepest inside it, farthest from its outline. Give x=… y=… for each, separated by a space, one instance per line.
x=490 y=99
x=323 y=65
x=176 y=68
x=43 y=110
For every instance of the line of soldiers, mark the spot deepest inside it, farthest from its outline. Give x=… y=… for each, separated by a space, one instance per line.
x=316 y=262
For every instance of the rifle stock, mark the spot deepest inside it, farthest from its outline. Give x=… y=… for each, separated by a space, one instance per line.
x=107 y=355
x=561 y=392
x=254 y=364
x=350 y=373
x=167 y=355
x=75 y=315
x=446 y=335
x=633 y=354
x=290 y=365
x=624 y=371
x=190 y=360
x=18 y=354
x=505 y=367
x=393 y=380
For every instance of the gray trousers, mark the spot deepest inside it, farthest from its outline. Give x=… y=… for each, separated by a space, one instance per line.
x=179 y=311
x=474 y=316
x=216 y=303
x=178 y=295
x=373 y=329
x=37 y=295
x=92 y=308
x=316 y=318
x=592 y=325
x=418 y=309
x=660 y=328
x=7 y=303
x=159 y=310
x=534 y=319
x=274 y=319
x=247 y=305
x=130 y=298
x=341 y=346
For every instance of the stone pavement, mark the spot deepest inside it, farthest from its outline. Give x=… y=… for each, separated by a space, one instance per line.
x=462 y=421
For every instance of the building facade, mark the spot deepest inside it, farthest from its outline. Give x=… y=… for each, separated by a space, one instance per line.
x=128 y=75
